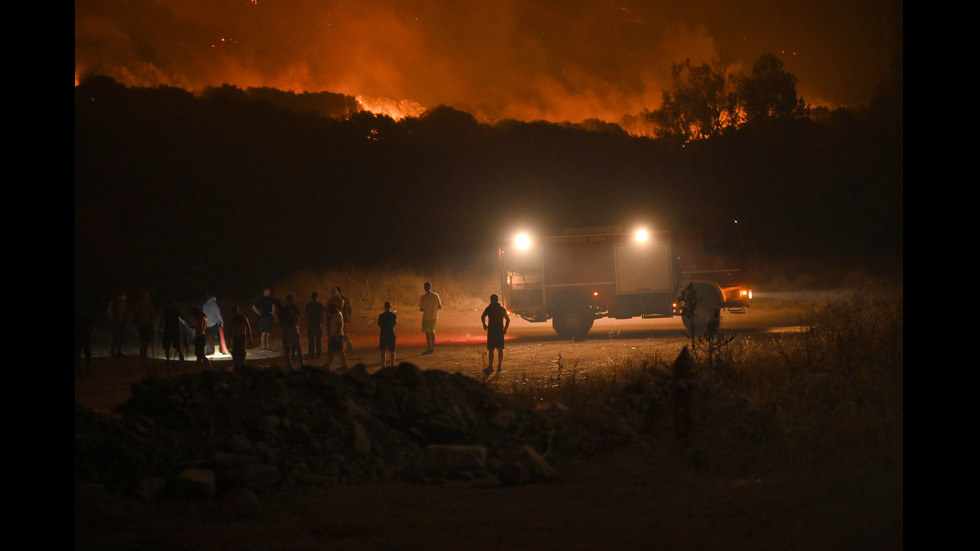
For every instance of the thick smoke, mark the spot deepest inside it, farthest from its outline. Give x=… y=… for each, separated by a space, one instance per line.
x=556 y=61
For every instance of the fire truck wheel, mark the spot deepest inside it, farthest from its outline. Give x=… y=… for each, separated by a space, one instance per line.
x=573 y=318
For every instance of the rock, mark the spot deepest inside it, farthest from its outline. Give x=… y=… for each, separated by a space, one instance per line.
x=259 y=427
x=242 y=502
x=452 y=461
x=408 y=374
x=238 y=444
x=523 y=465
x=266 y=424
x=439 y=433
x=504 y=419
x=149 y=488
x=224 y=461
x=194 y=484
x=272 y=395
x=256 y=476
x=362 y=443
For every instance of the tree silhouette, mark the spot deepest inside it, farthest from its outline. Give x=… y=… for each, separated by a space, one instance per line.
x=704 y=102
x=770 y=92
x=187 y=191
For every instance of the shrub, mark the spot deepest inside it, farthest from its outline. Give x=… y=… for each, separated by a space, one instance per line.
x=830 y=395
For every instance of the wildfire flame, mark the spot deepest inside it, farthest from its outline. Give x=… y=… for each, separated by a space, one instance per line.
x=396 y=109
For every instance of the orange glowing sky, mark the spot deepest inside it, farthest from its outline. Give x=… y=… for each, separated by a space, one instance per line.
x=566 y=60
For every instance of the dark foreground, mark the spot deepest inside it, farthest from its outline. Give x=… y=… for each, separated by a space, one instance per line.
x=619 y=480
x=621 y=501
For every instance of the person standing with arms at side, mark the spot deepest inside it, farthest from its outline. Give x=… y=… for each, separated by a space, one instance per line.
x=265 y=307
x=335 y=337
x=212 y=337
x=289 y=318
x=241 y=337
x=145 y=317
x=495 y=322
x=118 y=313
x=387 y=321
x=314 y=326
x=344 y=306
x=171 y=331
x=429 y=304
x=348 y=312
x=200 y=329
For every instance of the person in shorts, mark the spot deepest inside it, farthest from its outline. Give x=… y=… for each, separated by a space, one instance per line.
x=429 y=304
x=267 y=309
x=387 y=321
x=495 y=322
x=335 y=337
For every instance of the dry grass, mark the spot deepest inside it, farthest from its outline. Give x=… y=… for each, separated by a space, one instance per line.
x=370 y=288
x=833 y=393
x=830 y=396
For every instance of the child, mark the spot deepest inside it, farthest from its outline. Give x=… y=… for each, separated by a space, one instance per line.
x=387 y=321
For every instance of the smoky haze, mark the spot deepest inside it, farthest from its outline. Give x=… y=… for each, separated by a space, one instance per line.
x=554 y=61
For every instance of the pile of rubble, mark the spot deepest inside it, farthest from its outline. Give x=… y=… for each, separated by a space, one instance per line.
x=210 y=433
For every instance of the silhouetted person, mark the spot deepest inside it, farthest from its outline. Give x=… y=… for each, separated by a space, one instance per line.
x=266 y=308
x=200 y=329
x=495 y=322
x=348 y=311
x=343 y=306
x=429 y=304
x=172 y=328
x=241 y=337
x=118 y=313
x=215 y=321
x=145 y=318
x=387 y=321
x=83 y=341
x=314 y=326
x=335 y=337
x=289 y=319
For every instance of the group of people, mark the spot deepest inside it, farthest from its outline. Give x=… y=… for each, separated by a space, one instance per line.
x=330 y=319
x=495 y=321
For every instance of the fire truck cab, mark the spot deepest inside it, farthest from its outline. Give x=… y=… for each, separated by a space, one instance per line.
x=590 y=273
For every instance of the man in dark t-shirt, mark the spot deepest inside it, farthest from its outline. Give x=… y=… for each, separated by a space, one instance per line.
x=387 y=321
x=289 y=319
x=314 y=326
x=495 y=322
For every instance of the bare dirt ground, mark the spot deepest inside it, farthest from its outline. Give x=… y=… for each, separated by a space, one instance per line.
x=633 y=498
x=533 y=351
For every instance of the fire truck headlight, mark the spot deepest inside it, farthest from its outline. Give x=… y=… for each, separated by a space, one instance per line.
x=522 y=242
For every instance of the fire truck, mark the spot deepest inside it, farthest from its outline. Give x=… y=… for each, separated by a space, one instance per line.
x=586 y=274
